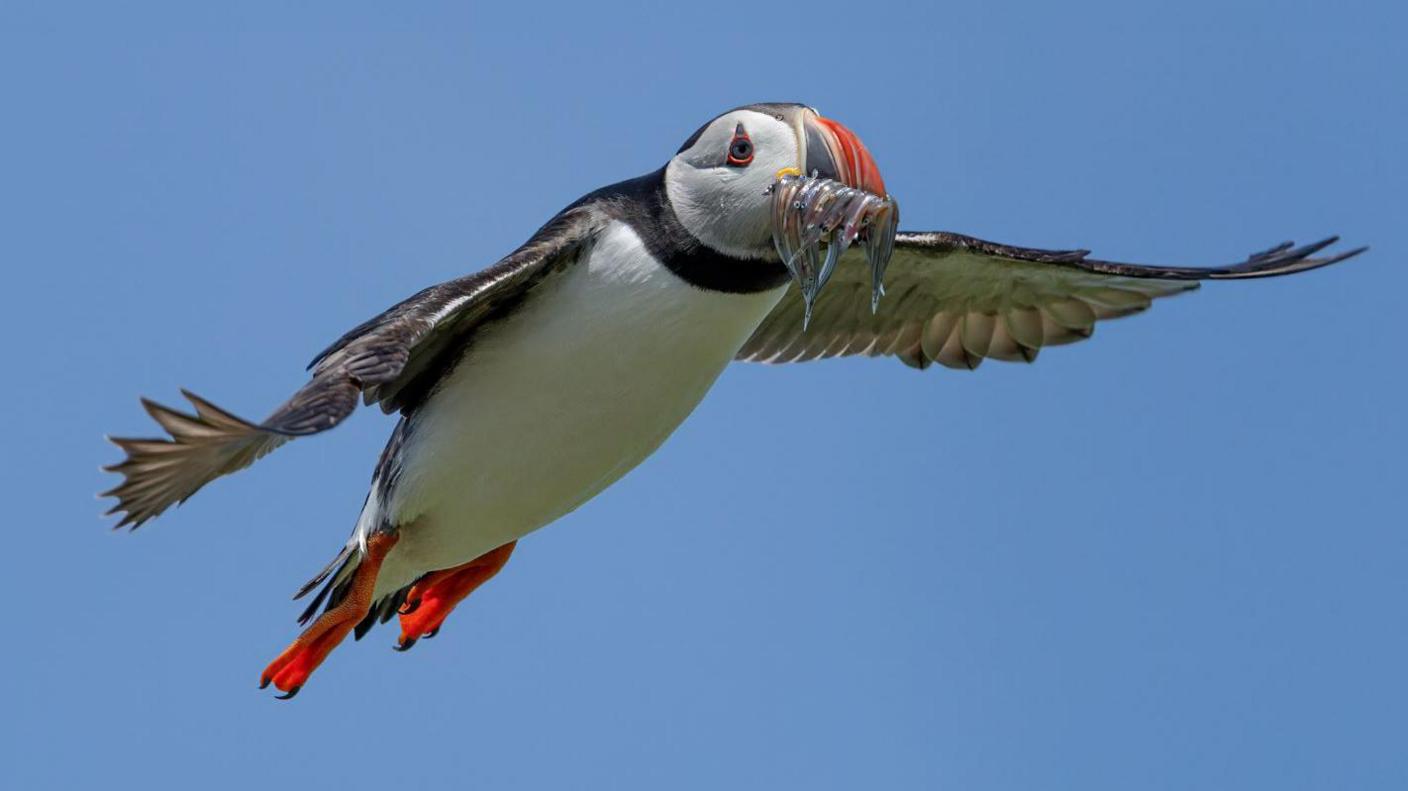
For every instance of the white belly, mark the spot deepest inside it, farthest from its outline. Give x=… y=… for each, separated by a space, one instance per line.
x=558 y=401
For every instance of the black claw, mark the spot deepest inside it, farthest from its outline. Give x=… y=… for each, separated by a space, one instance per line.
x=288 y=695
x=406 y=646
x=264 y=683
x=409 y=607
x=431 y=633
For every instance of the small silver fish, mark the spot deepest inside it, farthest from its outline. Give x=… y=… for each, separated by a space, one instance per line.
x=810 y=211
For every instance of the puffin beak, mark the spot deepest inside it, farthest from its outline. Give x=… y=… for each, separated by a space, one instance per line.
x=838 y=198
x=832 y=151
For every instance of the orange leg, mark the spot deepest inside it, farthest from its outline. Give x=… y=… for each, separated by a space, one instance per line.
x=290 y=671
x=436 y=594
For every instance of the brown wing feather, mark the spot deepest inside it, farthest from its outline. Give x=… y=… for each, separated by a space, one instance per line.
x=391 y=359
x=957 y=300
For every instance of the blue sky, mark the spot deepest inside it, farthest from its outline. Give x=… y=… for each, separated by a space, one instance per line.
x=1171 y=557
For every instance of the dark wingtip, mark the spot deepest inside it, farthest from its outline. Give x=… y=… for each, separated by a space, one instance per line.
x=1270 y=251
x=1349 y=254
x=1303 y=254
x=1312 y=248
x=1285 y=259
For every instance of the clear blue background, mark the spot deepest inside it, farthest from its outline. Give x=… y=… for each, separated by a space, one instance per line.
x=1172 y=557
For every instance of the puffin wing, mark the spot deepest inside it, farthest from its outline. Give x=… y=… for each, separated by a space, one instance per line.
x=956 y=300
x=393 y=359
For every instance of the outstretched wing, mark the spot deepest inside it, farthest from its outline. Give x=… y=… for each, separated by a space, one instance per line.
x=393 y=359
x=956 y=300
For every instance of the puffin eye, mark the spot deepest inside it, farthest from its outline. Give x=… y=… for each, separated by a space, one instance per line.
x=740 y=149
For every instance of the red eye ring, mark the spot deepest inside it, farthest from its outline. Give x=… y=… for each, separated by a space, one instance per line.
x=740 y=148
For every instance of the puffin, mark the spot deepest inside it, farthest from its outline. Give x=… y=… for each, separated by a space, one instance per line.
x=525 y=389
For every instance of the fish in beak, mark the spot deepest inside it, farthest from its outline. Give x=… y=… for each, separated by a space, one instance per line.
x=836 y=197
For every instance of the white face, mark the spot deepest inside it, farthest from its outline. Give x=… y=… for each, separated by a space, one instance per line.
x=718 y=185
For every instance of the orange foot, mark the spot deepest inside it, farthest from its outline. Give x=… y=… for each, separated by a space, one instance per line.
x=290 y=671
x=434 y=597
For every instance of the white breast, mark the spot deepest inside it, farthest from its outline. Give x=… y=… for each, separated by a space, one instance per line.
x=558 y=401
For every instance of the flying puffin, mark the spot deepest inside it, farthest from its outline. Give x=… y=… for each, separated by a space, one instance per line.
x=527 y=388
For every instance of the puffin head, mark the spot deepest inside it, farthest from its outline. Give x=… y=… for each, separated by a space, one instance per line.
x=720 y=183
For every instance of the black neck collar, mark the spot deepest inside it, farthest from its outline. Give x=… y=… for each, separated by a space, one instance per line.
x=644 y=204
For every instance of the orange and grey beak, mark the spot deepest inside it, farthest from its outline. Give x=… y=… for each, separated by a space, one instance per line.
x=832 y=151
x=838 y=199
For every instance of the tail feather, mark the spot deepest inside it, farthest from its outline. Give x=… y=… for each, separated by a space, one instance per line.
x=336 y=563
x=381 y=612
x=160 y=473
x=332 y=581
x=335 y=585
